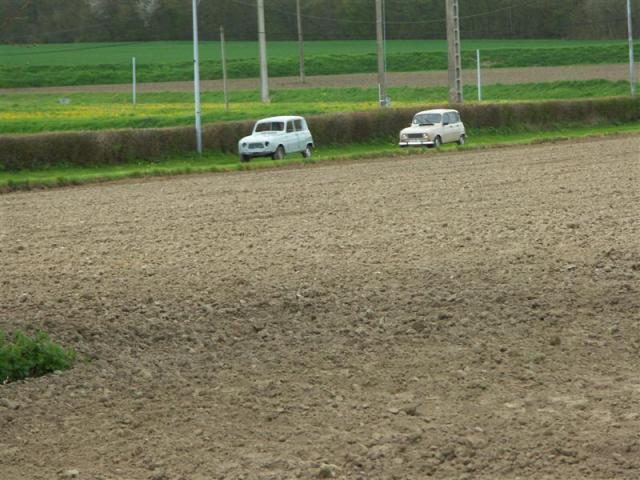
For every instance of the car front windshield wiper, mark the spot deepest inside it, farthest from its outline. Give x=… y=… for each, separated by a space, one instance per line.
x=425 y=124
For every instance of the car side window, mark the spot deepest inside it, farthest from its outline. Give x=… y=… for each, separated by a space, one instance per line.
x=290 y=128
x=447 y=119
x=456 y=117
x=298 y=124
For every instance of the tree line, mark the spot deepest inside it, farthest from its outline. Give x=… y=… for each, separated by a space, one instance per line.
x=62 y=21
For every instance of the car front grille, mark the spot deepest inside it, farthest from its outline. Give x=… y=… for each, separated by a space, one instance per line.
x=415 y=135
x=253 y=146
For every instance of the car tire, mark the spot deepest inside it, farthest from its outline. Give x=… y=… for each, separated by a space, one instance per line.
x=244 y=158
x=462 y=140
x=437 y=142
x=307 y=152
x=279 y=153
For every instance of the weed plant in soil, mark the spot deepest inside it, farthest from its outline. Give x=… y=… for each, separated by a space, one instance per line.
x=22 y=356
x=41 y=113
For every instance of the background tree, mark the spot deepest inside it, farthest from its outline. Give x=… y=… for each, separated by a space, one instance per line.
x=52 y=21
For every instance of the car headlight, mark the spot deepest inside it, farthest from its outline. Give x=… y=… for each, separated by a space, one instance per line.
x=404 y=136
x=244 y=144
x=426 y=135
x=266 y=144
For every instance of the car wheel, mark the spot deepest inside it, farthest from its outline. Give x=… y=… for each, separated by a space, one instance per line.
x=437 y=142
x=462 y=140
x=245 y=158
x=307 y=152
x=279 y=153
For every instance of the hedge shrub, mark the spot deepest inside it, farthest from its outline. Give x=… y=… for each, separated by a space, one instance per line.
x=110 y=147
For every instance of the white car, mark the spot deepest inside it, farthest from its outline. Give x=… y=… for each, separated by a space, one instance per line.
x=432 y=128
x=276 y=137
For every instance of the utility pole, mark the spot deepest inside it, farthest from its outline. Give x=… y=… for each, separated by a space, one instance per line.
x=300 y=41
x=262 y=39
x=455 y=57
x=632 y=67
x=382 y=78
x=196 y=78
x=223 y=58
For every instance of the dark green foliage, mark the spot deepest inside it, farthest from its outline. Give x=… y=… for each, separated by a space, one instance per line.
x=111 y=147
x=22 y=356
x=49 y=20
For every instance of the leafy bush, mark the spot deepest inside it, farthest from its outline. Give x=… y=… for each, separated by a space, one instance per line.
x=22 y=356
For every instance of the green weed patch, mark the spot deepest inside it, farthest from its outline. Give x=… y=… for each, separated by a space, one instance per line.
x=22 y=356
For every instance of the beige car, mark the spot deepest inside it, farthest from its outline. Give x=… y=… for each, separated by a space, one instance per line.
x=432 y=128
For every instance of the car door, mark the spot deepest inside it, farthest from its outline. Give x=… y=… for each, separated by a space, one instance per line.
x=459 y=126
x=303 y=134
x=292 y=144
x=449 y=128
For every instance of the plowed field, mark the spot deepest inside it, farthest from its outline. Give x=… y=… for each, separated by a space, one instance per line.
x=463 y=315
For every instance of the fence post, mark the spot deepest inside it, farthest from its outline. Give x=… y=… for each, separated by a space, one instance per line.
x=223 y=58
x=134 y=82
x=479 y=75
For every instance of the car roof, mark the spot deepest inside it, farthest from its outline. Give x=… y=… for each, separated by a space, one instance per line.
x=438 y=110
x=283 y=118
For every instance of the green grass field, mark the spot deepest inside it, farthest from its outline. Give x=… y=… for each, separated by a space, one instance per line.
x=89 y=64
x=218 y=162
x=176 y=52
x=41 y=112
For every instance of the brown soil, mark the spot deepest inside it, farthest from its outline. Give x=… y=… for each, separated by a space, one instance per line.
x=465 y=315
x=612 y=72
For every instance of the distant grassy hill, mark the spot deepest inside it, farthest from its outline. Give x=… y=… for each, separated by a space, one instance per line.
x=178 y=52
x=88 y=64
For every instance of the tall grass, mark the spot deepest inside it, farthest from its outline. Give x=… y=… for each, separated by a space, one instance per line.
x=42 y=113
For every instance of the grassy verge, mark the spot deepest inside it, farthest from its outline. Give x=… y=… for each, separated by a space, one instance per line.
x=43 y=113
x=330 y=63
x=218 y=162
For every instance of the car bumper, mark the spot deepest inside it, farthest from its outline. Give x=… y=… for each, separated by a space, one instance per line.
x=416 y=143
x=256 y=153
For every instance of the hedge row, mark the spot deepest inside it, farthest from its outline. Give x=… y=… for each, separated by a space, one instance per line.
x=38 y=151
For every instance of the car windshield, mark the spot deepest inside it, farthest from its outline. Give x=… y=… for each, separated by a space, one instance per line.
x=427 y=119
x=270 y=127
